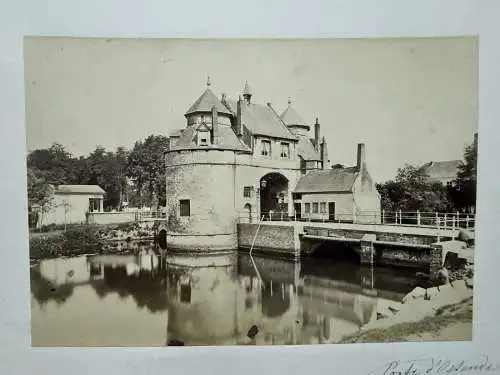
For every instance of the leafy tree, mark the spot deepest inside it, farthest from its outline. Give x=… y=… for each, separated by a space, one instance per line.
x=107 y=169
x=411 y=191
x=40 y=195
x=463 y=188
x=53 y=163
x=146 y=167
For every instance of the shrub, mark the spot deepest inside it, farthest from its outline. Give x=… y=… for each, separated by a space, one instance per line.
x=75 y=241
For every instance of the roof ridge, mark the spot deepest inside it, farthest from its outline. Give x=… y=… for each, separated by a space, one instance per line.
x=281 y=121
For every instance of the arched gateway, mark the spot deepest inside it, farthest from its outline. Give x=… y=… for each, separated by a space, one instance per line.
x=274 y=194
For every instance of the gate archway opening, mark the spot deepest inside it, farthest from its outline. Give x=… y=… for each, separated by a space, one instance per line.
x=274 y=195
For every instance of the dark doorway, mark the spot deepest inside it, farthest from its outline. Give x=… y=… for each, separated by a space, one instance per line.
x=331 y=211
x=298 y=210
x=273 y=192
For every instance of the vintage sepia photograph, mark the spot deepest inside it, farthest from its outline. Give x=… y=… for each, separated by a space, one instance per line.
x=215 y=192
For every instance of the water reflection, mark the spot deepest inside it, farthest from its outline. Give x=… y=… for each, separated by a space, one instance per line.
x=289 y=303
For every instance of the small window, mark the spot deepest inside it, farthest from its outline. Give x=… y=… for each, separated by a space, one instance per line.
x=315 y=208
x=307 y=208
x=247 y=191
x=185 y=296
x=322 y=207
x=285 y=151
x=185 y=207
x=266 y=148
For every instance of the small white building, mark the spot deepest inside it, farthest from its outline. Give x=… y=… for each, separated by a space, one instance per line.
x=70 y=204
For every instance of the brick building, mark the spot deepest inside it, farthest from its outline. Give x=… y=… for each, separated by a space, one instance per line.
x=239 y=160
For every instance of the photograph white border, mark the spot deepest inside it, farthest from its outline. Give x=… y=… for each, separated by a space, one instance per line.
x=236 y=19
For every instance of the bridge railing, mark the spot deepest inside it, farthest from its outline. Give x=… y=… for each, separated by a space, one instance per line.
x=448 y=220
x=439 y=220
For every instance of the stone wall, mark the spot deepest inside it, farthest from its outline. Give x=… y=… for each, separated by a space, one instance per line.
x=394 y=256
x=209 y=189
x=101 y=218
x=271 y=239
x=412 y=239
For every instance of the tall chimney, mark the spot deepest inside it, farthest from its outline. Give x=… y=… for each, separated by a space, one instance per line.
x=317 y=135
x=214 y=124
x=239 y=130
x=361 y=157
x=324 y=154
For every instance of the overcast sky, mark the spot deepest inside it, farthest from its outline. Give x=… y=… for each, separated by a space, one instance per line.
x=409 y=100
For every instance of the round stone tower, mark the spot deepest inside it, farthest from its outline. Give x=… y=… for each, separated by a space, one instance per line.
x=200 y=173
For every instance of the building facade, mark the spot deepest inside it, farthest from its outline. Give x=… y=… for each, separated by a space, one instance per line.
x=71 y=203
x=237 y=160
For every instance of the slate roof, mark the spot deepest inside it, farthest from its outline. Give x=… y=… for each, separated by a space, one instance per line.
x=261 y=120
x=306 y=150
x=291 y=117
x=339 y=180
x=79 y=189
x=224 y=138
x=206 y=102
x=441 y=170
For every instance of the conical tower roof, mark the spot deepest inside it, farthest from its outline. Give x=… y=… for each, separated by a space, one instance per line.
x=206 y=102
x=291 y=117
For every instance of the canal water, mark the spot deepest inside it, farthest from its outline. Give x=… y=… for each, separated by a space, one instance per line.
x=145 y=300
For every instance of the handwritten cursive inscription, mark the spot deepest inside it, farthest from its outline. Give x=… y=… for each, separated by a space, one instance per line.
x=433 y=366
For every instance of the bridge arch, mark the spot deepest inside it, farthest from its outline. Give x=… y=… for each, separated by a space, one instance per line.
x=162 y=239
x=273 y=194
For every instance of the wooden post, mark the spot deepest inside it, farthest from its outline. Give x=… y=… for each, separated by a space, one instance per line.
x=383 y=216
x=438 y=219
x=445 y=220
x=281 y=215
x=400 y=217
x=453 y=223
x=467 y=222
x=418 y=218
x=458 y=219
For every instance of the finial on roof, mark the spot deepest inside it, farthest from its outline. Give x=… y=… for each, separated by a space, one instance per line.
x=289 y=100
x=247 y=92
x=208 y=81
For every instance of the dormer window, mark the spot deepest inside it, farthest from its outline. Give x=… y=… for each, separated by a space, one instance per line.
x=203 y=135
x=203 y=138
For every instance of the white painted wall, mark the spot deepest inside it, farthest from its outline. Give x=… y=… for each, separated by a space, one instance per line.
x=67 y=209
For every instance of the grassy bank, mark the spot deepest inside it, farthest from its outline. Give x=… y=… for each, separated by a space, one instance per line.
x=88 y=239
x=72 y=242
x=453 y=322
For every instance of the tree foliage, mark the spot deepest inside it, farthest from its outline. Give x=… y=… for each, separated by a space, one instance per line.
x=410 y=191
x=463 y=188
x=146 y=167
x=111 y=170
